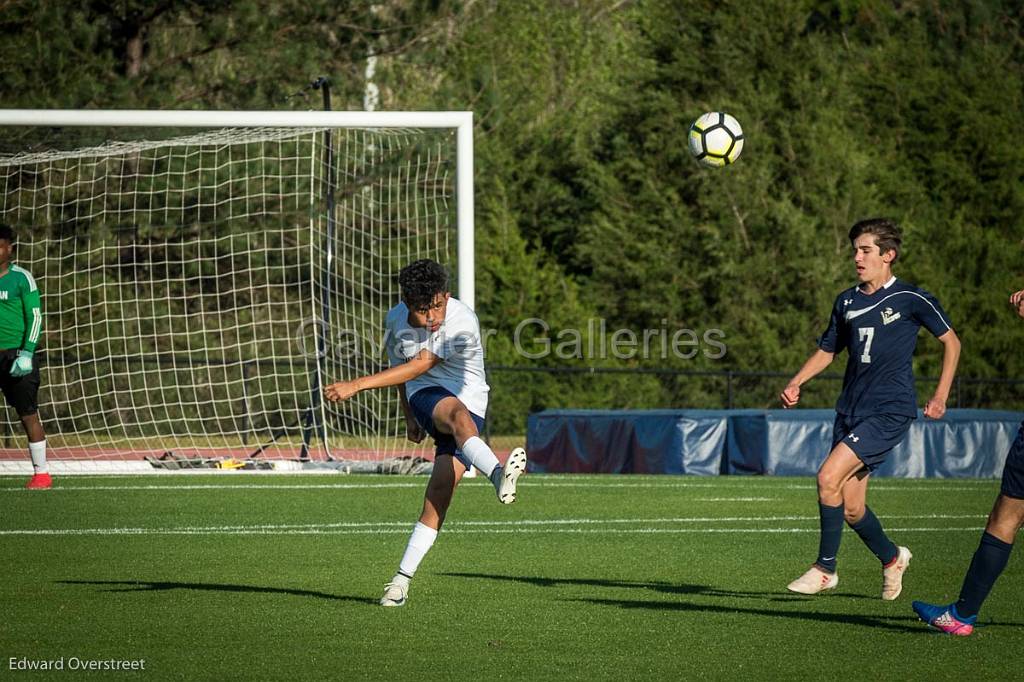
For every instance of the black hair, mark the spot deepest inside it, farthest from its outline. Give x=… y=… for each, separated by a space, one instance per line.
x=886 y=232
x=7 y=232
x=421 y=281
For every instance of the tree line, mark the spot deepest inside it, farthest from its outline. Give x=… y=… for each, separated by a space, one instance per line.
x=588 y=205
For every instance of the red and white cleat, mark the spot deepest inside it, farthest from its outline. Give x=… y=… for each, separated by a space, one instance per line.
x=814 y=581
x=892 y=575
x=39 y=482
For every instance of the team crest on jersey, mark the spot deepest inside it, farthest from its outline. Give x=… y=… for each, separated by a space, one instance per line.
x=889 y=316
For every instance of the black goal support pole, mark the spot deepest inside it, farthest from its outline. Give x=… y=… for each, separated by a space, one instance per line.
x=313 y=422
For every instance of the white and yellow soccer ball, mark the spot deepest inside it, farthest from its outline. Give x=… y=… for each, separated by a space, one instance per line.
x=716 y=139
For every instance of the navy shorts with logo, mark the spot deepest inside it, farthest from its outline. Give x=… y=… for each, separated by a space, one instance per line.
x=1013 y=470
x=423 y=403
x=871 y=438
x=21 y=392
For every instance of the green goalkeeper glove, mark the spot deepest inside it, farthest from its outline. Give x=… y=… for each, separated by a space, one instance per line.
x=22 y=365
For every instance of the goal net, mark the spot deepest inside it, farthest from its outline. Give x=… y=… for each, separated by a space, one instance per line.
x=200 y=288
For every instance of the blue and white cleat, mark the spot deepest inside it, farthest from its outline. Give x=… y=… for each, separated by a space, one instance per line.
x=514 y=467
x=944 y=618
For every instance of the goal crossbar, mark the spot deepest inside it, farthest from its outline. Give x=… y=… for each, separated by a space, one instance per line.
x=235 y=119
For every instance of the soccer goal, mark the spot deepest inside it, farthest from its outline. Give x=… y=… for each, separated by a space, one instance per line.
x=204 y=274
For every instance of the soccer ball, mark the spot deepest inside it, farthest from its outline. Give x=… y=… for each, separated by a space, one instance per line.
x=716 y=139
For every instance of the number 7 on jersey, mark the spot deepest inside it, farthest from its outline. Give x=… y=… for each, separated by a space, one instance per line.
x=867 y=334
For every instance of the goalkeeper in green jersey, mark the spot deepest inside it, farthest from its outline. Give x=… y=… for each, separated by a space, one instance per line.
x=21 y=322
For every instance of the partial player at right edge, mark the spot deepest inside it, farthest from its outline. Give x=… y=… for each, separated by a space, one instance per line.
x=993 y=552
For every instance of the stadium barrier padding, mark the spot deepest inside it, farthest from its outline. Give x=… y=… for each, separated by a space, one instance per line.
x=964 y=443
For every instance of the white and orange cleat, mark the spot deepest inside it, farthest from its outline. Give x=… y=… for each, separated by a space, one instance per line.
x=892 y=575
x=39 y=482
x=814 y=581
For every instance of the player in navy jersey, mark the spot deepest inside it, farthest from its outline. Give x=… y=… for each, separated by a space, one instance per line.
x=993 y=552
x=876 y=322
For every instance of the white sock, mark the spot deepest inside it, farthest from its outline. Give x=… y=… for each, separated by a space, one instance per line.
x=420 y=542
x=37 y=451
x=479 y=455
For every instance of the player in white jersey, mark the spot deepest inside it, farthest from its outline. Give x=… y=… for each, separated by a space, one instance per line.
x=437 y=363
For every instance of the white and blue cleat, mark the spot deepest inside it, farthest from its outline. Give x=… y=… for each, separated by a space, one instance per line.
x=944 y=618
x=510 y=473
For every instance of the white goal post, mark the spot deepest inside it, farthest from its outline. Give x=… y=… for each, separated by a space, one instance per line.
x=200 y=287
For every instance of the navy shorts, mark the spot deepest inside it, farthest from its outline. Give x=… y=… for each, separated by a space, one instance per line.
x=21 y=392
x=423 y=403
x=871 y=438
x=1013 y=470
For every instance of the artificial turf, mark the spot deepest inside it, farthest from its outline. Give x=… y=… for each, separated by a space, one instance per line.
x=585 y=577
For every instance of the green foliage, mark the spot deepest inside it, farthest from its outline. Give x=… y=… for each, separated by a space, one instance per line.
x=587 y=203
x=250 y=54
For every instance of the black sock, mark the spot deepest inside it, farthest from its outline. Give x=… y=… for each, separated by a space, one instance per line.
x=988 y=562
x=495 y=476
x=870 y=531
x=831 y=535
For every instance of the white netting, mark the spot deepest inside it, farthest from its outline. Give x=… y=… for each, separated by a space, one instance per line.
x=185 y=283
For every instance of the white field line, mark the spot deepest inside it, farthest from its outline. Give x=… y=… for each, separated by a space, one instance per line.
x=537 y=478
x=523 y=526
x=762 y=482
x=220 y=487
x=906 y=485
x=404 y=531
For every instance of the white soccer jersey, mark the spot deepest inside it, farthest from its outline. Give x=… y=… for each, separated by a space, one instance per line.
x=457 y=342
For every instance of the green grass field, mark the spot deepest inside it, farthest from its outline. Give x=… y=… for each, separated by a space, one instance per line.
x=586 y=577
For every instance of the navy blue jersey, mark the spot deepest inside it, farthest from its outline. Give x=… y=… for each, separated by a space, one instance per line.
x=880 y=332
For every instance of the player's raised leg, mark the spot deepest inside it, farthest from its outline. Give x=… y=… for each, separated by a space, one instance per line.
x=451 y=417
x=444 y=478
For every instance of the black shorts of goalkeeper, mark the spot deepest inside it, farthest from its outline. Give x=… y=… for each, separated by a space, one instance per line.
x=21 y=392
